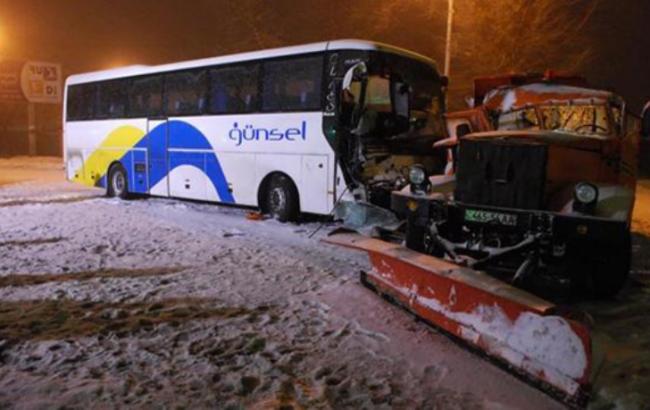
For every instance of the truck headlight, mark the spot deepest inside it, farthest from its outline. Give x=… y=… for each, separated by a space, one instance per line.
x=418 y=179
x=585 y=196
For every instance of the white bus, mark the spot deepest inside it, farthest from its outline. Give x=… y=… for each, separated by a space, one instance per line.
x=290 y=130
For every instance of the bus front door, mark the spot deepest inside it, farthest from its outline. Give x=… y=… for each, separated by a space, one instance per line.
x=157 y=144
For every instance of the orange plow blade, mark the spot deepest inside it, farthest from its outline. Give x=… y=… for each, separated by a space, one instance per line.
x=512 y=326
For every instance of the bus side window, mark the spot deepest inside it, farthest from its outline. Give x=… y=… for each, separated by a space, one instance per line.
x=185 y=93
x=111 y=100
x=234 y=90
x=81 y=102
x=74 y=103
x=145 y=97
x=293 y=85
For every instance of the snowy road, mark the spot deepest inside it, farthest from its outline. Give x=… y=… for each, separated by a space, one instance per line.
x=163 y=303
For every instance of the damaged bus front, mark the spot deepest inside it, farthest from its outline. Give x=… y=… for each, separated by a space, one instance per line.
x=384 y=111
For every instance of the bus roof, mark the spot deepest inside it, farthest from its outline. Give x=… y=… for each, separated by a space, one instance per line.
x=136 y=70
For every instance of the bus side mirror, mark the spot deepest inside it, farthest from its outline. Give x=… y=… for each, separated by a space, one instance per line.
x=359 y=71
x=351 y=104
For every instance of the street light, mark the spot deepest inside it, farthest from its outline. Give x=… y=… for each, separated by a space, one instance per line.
x=450 y=23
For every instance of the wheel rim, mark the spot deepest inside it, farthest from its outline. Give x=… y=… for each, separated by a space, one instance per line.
x=118 y=183
x=277 y=200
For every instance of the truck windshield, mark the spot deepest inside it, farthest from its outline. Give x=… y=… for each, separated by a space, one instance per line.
x=581 y=119
x=575 y=118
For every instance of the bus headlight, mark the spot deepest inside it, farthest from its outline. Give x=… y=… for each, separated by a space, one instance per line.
x=585 y=196
x=418 y=179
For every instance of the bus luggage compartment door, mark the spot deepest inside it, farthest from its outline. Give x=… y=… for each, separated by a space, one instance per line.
x=314 y=192
x=187 y=177
x=157 y=142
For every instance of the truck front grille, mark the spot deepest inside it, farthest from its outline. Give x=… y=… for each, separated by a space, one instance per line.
x=501 y=172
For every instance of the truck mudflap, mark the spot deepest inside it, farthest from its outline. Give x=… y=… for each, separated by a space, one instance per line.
x=527 y=334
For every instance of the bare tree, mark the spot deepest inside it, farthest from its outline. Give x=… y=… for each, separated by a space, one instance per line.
x=282 y=22
x=501 y=36
x=489 y=36
x=255 y=16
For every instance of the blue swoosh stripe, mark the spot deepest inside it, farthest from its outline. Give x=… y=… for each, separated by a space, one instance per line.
x=181 y=135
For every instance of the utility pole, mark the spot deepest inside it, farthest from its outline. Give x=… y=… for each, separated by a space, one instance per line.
x=450 y=23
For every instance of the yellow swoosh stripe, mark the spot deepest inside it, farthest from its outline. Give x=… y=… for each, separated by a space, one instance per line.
x=113 y=148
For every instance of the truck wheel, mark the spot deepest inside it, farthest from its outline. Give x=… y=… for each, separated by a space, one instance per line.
x=610 y=269
x=117 y=184
x=282 y=199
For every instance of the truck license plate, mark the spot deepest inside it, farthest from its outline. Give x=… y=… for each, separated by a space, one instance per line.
x=489 y=217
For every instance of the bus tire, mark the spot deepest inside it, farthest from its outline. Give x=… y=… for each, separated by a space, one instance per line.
x=281 y=199
x=117 y=184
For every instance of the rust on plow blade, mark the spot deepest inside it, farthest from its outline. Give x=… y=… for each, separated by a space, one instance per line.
x=512 y=326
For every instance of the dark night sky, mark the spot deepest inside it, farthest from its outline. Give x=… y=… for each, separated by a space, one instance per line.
x=96 y=34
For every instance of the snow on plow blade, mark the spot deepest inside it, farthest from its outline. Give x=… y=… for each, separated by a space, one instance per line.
x=510 y=325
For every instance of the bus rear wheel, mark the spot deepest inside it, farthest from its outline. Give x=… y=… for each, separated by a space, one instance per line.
x=117 y=184
x=282 y=199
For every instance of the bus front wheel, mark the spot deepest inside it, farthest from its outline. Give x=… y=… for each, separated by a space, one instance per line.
x=118 y=185
x=282 y=199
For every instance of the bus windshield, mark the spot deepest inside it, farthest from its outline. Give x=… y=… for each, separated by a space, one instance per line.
x=400 y=91
x=421 y=80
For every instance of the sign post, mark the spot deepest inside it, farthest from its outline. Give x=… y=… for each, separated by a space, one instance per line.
x=41 y=82
x=31 y=129
x=31 y=82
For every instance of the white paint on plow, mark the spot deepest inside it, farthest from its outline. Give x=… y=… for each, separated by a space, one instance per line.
x=548 y=340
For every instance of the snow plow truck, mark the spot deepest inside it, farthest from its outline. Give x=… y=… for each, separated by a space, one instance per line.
x=533 y=212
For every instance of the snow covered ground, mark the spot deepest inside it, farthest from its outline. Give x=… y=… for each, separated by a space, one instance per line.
x=164 y=303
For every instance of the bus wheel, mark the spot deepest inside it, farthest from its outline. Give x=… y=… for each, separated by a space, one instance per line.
x=118 y=185
x=282 y=199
